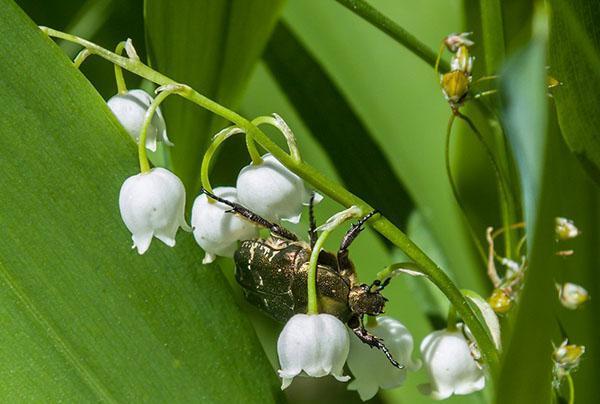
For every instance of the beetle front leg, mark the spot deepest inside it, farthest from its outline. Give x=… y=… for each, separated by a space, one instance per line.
x=253 y=217
x=356 y=323
x=350 y=236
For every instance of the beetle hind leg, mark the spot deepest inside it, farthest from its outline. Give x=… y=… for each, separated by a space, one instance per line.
x=371 y=340
x=253 y=217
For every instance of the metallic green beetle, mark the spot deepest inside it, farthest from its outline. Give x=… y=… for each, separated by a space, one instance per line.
x=273 y=273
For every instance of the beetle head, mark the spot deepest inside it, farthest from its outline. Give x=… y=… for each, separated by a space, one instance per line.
x=365 y=299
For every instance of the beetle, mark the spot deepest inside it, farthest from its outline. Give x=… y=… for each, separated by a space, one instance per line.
x=273 y=274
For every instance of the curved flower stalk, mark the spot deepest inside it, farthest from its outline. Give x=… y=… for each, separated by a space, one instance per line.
x=217 y=231
x=152 y=205
x=370 y=369
x=130 y=109
x=314 y=344
x=271 y=190
x=450 y=365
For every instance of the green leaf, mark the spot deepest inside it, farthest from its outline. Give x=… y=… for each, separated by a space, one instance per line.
x=334 y=124
x=211 y=46
x=526 y=372
x=84 y=317
x=574 y=55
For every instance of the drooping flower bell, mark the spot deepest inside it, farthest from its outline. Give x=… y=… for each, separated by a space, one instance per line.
x=272 y=191
x=313 y=344
x=152 y=205
x=450 y=365
x=217 y=231
x=130 y=109
x=371 y=369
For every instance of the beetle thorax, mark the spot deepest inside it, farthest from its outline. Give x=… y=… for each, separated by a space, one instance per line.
x=363 y=301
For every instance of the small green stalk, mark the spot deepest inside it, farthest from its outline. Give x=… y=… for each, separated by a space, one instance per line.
x=396 y=32
x=328 y=187
x=121 y=86
x=144 y=164
x=452 y=319
x=210 y=152
x=313 y=303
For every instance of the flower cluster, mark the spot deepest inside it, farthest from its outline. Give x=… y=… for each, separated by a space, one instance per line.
x=152 y=204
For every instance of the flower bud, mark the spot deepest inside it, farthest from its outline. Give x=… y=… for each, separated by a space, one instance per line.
x=572 y=296
x=450 y=365
x=370 y=367
x=130 y=109
x=217 y=231
x=565 y=229
x=152 y=205
x=568 y=356
x=500 y=301
x=272 y=191
x=455 y=41
x=316 y=344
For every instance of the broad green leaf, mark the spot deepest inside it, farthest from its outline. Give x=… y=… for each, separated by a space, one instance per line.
x=213 y=47
x=574 y=58
x=84 y=318
x=335 y=125
x=526 y=372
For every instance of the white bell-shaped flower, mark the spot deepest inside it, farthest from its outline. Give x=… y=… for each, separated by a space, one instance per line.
x=217 y=231
x=272 y=191
x=370 y=367
x=130 y=109
x=450 y=365
x=152 y=205
x=315 y=344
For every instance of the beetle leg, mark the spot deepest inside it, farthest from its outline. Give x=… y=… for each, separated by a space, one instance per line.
x=371 y=340
x=351 y=234
x=253 y=217
x=312 y=230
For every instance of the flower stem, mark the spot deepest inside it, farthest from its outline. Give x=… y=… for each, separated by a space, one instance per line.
x=505 y=196
x=319 y=181
x=571 y=388
x=312 y=306
x=212 y=148
x=395 y=31
x=285 y=130
x=452 y=319
x=121 y=86
x=144 y=164
x=457 y=197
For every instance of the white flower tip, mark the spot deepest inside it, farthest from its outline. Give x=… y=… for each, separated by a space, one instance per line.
x=141 y=242
x=293 y=219
x=208 y=258
x=341 y=378
x=130 y=50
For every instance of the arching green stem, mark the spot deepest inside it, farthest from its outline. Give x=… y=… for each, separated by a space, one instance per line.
x=212 y=148
x=457 y=197
x=409 y=268
x=320 y=182
x=285 y=130
x=121 y=86
x=81 y=57
x=144 y=164
x=571 y=388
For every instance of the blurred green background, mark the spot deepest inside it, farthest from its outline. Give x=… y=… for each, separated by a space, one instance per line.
x=216 y=47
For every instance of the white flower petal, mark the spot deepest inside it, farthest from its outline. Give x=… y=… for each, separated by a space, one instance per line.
x=130 y=109
x=271 y=190
x=370 y=367
x=450 y=365
x=152 y=204
x=314 y=344
x=216 y=231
